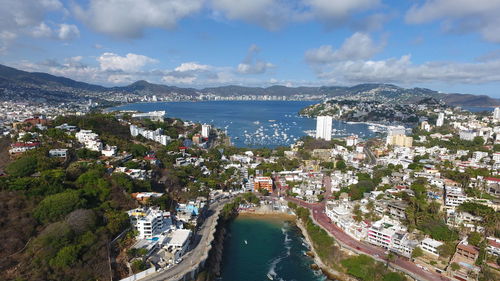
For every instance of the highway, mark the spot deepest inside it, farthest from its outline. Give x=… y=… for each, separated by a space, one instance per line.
x=317 y=210
x=196 y=254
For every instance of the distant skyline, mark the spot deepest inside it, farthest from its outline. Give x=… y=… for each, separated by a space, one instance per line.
x=445 y=45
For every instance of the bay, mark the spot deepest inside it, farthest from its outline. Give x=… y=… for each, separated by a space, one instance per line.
x=252 y=123
x=274 y=248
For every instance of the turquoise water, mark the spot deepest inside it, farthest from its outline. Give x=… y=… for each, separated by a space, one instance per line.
x=251 y=123
x=274 y=246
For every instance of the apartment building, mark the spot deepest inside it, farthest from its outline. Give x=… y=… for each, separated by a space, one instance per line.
x=454 y=196
x=430 y=246
x=263 y=183
x=150 y=222
x=381 y=234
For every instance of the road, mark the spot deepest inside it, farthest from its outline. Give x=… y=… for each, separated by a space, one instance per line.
x=193 y=257
x=321 y=218
x=370 y=155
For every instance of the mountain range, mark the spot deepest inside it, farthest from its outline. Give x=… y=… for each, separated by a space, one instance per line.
x=36 y=86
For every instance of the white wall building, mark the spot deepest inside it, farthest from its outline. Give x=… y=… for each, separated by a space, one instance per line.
x=150 y=222
x=62 y=153
x=324 y=127
x=440 y=120
x=496 y=114
x=109 y=151
x=205 y=130
x=179 y=243
x=380 y=234
x=153 y=115
x=430 y=246
x=454 y=196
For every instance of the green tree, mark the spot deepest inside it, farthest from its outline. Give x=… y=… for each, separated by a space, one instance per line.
x=66 y=257
x=55 y=207
x=417 y=252
x=475 y=238
x=22 y=167
x=447 y=249
x=138 y=266
x=454 y=266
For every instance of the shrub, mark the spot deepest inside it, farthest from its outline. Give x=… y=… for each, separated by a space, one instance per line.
x=55 y=207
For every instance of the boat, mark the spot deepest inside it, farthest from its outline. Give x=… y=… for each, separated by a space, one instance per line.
x=270 y=276
x=246 y=242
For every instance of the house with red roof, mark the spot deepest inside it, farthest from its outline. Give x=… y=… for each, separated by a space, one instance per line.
x=21 y=147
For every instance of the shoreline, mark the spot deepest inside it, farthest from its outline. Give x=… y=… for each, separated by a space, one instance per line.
x=328 y=272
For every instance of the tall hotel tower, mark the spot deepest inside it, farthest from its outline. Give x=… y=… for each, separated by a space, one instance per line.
x=324 y=127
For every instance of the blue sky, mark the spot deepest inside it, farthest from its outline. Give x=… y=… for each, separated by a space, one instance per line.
x=446 y=45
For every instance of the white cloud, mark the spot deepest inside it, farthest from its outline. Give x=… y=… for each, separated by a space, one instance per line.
x=335 y=12
x=63 y=32
x=255 y=68
x=23 y=17
x=270 y=14
x=42 y=31
x=251 y=64
x=130 y=62
x=460 y=16
x=358 y=46
x=191 y=66
x=402 y=70
x=128 y=18
x=178 y=80
x=68 y=32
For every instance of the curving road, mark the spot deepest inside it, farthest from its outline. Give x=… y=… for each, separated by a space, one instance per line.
x=319 y=216
x=196 y=254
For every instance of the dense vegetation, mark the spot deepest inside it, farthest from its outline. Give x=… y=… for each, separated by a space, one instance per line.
x=66 y=210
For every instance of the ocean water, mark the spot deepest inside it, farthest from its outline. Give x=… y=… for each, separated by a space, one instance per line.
x=478 y=108
x=274 y=247
x=252 y=123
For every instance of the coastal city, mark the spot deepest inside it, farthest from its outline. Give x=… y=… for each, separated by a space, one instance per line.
x=423 y=200
x=250 y=140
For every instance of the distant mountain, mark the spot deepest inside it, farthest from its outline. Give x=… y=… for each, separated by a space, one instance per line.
x=21 y=85
x=15 y=76
x=143 y=87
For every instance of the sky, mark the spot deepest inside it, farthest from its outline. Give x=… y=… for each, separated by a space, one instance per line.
x=444 y=45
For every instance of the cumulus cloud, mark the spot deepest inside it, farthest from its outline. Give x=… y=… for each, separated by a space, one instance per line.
x=63 y=32
x=20 y=17
x=402 y=70
x=251 y=64
x=353 y=63
x=270 y=14
x=336 y=12
x=191 y=66
x=109 y=16
x=460 y=16
x=191 y=73
x=42 y=31
x=358 y=46
x=68 y=32
x=128 y=63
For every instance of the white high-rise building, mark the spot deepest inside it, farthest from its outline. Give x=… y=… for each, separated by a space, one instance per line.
x=496 y=114
x=205 y=130
x=324 y=127
x=396 y=130
x=440 y=120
